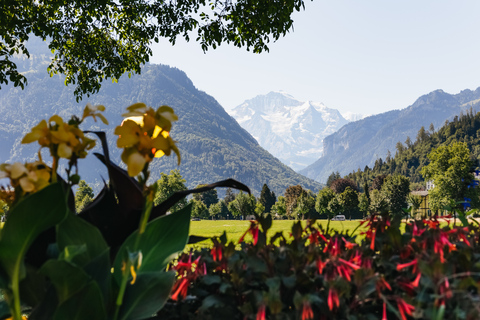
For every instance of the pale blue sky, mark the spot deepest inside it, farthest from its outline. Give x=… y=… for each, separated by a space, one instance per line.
x=364 y=56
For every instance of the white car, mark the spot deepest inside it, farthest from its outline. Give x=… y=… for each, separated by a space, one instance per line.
x=339 y=217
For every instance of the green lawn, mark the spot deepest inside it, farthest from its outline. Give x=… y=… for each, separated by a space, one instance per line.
x=236 y=228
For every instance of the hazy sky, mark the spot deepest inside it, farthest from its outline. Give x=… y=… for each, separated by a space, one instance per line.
x=365 y=56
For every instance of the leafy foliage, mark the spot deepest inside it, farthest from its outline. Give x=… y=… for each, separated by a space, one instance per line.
x=450 y=168
x=243 y=205
x=93 y=41
x=168 y=185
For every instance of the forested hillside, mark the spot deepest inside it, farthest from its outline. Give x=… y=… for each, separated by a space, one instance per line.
x=361 y=143
x=411 y=156
x=212 y=145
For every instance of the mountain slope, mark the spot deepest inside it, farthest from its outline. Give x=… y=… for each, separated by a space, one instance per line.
x=360 y=143
x=213 y=146
x=409 y=160
x=291 y=130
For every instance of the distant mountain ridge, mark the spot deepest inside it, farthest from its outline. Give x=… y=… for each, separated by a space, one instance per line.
x=360 y=143
x=212 y=145
x=291 y=130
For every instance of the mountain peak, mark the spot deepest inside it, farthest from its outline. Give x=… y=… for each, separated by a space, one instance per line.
x=290 y=129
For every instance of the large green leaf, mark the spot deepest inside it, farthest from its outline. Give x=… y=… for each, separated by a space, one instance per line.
x=30 y=217
x=99 y=269
x=95 y=258
x=66 y=277
x=162 y=239
x=74 y=231
x=147 y=295
x=85 y=304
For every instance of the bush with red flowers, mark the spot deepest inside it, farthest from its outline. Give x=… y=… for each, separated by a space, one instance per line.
x=426 y=272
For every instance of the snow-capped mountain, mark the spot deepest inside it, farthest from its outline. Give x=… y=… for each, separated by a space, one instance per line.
x=291 y=130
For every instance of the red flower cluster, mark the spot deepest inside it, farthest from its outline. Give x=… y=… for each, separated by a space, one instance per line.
x=187 y=273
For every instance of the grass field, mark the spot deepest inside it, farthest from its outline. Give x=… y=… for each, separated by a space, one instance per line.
x=236 y=228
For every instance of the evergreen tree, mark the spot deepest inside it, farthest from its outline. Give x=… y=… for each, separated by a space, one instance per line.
x=83 y=196
x=267 y=198
x=332 y=177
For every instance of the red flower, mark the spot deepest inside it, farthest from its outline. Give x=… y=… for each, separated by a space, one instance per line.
x=348 y=263
x=348 y=244
x=315 y=235
x=384 y=311
x=333 y=301
x=320 y=265
x=307 y=312
x=404 y=308
x=187 y=272
x=217 y=253
x=408 y=264
x=433 y=224
x=415 y=282
x=253 y=230
x=381 y=285
x=261 y=312
x=180 y=289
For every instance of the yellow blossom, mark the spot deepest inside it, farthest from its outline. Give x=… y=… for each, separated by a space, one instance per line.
x=30 y=177
x=143 y=138
x=93 y=111
x=40 y=133
x=63 y=139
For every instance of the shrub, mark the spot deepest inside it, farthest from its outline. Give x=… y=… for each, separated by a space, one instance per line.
x=427 y=272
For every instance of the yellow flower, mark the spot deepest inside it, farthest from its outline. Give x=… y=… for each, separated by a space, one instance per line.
x=143 y=138
x=129 y=133
x=93 y=111
x=63 y=139
x=40 y=133
x=30 y=177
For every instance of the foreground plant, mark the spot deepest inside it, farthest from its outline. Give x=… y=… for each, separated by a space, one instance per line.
x=108 y=262
x=427 y=272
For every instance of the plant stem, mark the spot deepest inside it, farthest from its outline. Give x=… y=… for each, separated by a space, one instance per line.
x=17 y=311
x=147 y=209
x=54 y=169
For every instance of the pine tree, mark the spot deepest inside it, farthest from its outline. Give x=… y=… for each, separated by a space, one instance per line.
x=267 y=198
x=83 y=196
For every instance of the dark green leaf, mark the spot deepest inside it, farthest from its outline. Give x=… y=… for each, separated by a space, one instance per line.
x=30 y=217
x=147 y=295
x=75 y=232
x=86 y=304
x=67 y=278
x=162 y=239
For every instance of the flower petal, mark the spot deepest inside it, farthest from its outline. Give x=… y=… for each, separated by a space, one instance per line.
x=135 y=164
